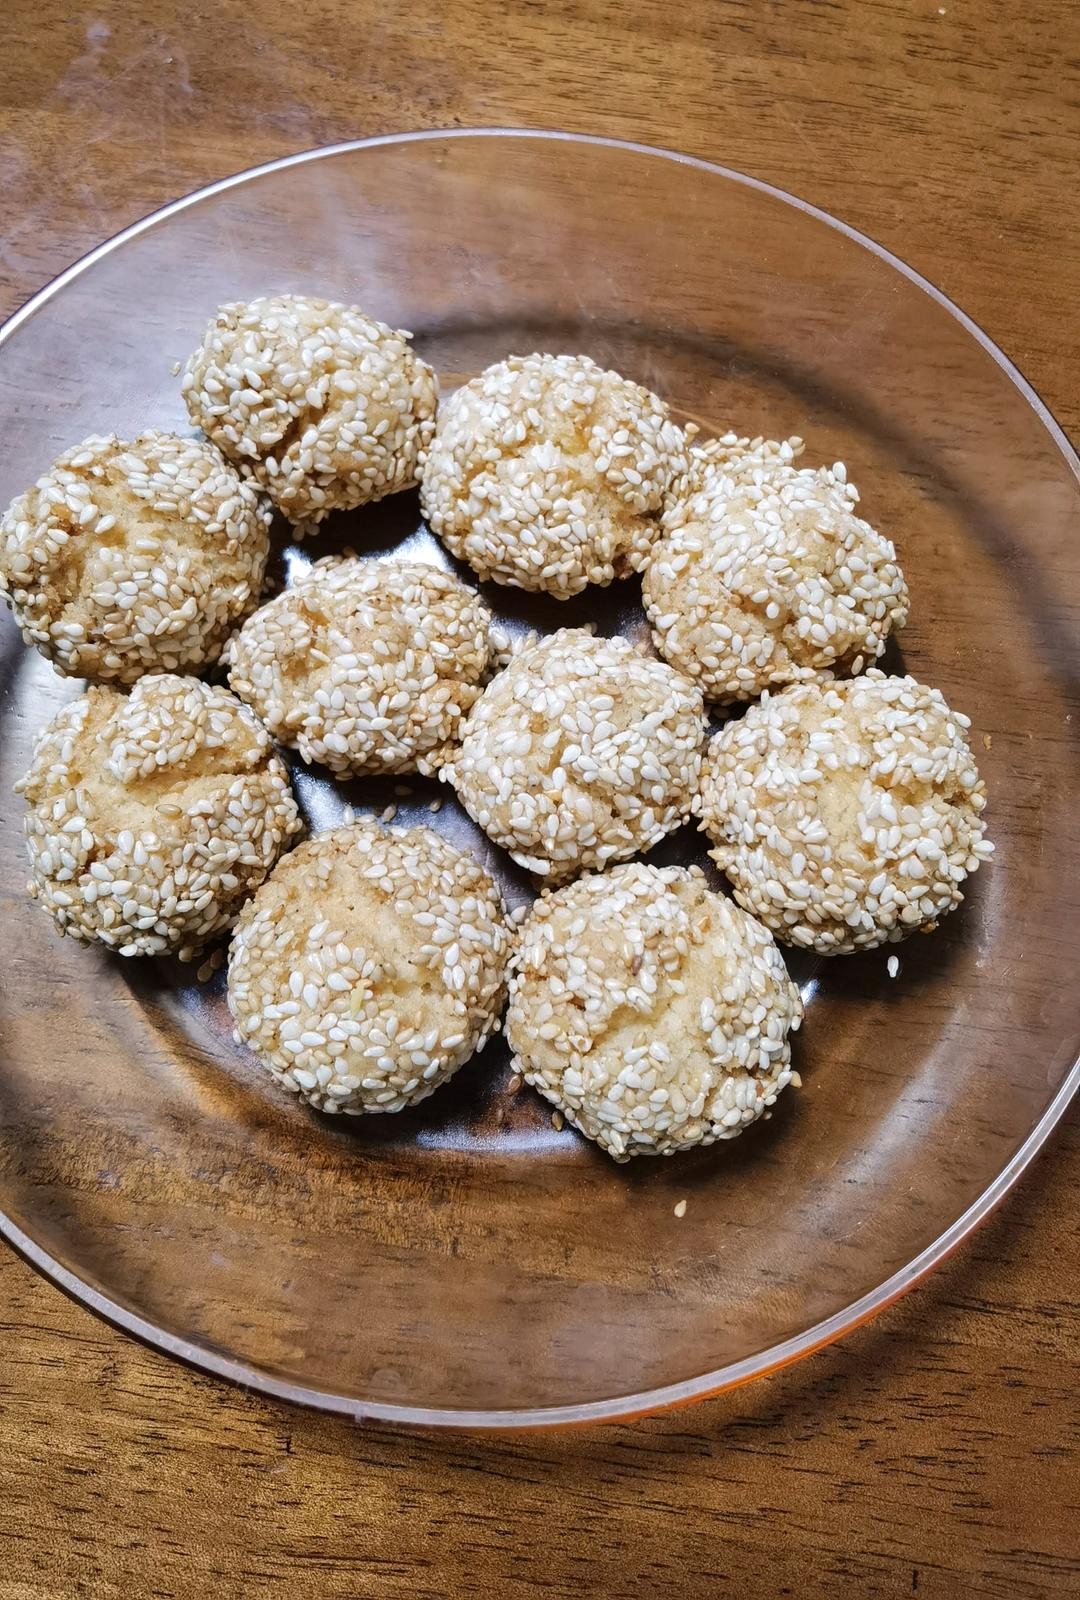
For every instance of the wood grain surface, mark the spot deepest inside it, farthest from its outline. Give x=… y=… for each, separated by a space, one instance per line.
x=935 y=1452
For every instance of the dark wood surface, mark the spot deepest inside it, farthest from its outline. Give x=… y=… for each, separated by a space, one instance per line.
x=935 y=1452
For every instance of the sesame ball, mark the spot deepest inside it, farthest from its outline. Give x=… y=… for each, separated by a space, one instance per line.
x=582 y=752
x=133 y=556
x=766 y=576
x=325 y=407
x=652 y=1012
x=846 y=815
x=370 y=967
x=548 y=473
x=366 y=666
x=153 y=815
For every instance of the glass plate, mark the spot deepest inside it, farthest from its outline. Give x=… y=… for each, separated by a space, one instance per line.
x=466 y=1263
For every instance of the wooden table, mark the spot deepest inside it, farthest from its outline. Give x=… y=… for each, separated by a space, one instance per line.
x=934 y=1453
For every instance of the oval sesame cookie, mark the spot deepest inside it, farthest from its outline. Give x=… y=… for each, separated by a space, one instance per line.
x=154 y=815
x=370 y=967
x=846 y=815
x=366 y=666
x=582 y=752
x=548 y=473
x=324 y=406
x=651 y=1011
x=133 y=556
x=766 y=576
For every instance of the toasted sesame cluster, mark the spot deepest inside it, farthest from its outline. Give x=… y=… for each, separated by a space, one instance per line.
x=370 y=967
x=767 y=576
x=582 y=752
x=652 y=1012
x=324 y=406
x=153 y=815
x=548 y=473
x=366 y=666
x=133 y=557
x=745 y=459
x=846 y=815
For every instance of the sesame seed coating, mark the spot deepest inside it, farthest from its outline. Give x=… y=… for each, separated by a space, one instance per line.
x=153 y=815
x=370 y=967
x=651 y=1011
x=132 y=557
x=766 y=576
x=548 y=473
x=325 y=407
x=846 y=815
x=737 y=457
x=582 y=752
x=366 y=666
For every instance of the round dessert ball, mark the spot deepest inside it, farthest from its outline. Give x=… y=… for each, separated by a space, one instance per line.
x=846 y=815
x=154 y=815
x=582 y=752
x=366 y=666
x=325 y=407
x=654 y=1013
x=548 y=473
x=133 y=556
x=771 y=578
x=370 y=967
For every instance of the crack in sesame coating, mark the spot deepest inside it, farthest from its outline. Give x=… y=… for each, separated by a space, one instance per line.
x=366 y=666
x=548 y=473
x=766 y=576
x=153 y=815
x=846 y=815
x=651 y=1011
x=324 y=406
x=580 y=753
x=132 y=557
x=370 y=967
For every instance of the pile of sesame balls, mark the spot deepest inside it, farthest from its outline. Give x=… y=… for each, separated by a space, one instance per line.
x=368 y=964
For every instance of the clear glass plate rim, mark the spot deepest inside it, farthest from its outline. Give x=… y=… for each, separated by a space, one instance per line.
x=735 y=1373
x=427 y=135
